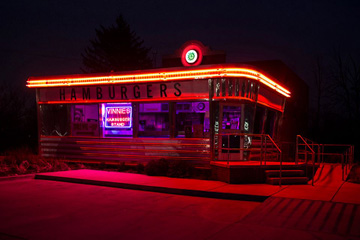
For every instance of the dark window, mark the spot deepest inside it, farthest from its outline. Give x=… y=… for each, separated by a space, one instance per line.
x=55 y=120
x=259 y=120
x=270 y=123
x=231 y=118
x=85 y=120
x=232 y=142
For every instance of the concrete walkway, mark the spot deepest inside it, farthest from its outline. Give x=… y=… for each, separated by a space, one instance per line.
x=328 y=185
x=290 y=218
x=101 y=208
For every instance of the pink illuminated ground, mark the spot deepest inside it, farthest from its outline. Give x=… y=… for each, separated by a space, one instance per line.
x=328 y=184
x=41 y=209
x=251 y=163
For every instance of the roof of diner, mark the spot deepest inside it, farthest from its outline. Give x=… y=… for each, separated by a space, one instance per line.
x=161 y=75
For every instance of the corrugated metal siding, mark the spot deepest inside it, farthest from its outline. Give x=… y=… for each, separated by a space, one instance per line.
x=125 y=149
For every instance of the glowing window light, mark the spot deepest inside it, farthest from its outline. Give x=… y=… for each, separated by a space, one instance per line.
x=158 y=77
x=118 y=117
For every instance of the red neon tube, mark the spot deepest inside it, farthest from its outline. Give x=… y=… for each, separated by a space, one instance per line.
x=161 y=76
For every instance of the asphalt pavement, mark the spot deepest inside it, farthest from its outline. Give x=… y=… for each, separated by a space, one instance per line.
x=89 y=204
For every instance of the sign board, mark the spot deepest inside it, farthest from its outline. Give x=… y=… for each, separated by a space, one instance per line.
x=118 y=117
x=196 y=88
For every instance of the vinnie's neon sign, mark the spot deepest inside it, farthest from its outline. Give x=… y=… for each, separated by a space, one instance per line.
x=118 y=117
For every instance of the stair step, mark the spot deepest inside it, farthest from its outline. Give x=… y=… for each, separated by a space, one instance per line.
x=287 y=180
x=258 y=154
x=285 y=173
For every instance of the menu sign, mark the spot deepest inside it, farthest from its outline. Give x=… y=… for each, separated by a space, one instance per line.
x=118 y=117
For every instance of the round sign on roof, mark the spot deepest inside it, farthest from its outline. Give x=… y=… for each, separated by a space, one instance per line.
x=192 y=55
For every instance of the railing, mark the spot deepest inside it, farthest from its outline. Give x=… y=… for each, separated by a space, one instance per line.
x=307 y=149
x=344 y=151
x=306 y=146
x=241 y=146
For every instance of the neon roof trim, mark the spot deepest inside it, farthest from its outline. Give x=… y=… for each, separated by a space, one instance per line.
x=156 y=76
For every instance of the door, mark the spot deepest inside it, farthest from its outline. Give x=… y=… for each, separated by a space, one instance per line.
x=231 y=142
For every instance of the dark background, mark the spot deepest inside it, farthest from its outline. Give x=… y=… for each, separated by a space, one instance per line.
x=47 y=37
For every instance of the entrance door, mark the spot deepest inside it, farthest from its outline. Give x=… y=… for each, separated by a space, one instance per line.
x=231 y=120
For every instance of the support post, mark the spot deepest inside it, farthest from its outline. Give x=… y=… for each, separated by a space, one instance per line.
x=297 y=150
x=313 y=169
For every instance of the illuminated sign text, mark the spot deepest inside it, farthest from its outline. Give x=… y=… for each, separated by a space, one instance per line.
x=118 y=117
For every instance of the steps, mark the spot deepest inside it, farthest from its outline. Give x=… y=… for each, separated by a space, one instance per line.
x=287 y=177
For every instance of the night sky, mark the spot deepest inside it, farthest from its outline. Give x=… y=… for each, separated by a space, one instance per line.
x=47 y=37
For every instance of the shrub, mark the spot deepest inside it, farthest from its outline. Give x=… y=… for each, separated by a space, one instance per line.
x=23 y=161
x=180 y=168
x=122 y=167
x=140 y=168
x=163 y=167
x=157 y=167
x=354 y=175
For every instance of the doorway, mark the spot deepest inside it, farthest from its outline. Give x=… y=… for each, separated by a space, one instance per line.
x=231 y=143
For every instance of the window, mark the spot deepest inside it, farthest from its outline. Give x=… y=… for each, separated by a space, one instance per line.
x=55 y=120
x=270 y=123
x=192 y=119
x=259 y=120
x=117 y=120
x=154 y=120
x=85 y=120
x=231 y=118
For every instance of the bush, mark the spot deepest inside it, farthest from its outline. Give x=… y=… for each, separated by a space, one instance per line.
x=157 y=167
x=354 y=175
x=181 y=169
x=23 y=161
x=140 y=168
x=122 y=167
x=163 y=167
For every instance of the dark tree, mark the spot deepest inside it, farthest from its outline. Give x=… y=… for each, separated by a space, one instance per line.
x=18 y=126
x=345 y=91
x=337 y=106
x=116 y=48
x=320 y=76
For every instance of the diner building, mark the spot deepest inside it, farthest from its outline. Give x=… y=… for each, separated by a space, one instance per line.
x=196 y=108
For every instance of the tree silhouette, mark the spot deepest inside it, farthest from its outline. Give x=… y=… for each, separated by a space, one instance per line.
x=116 y=48
x=345 y=91
x=18 y=125
x=337 y=105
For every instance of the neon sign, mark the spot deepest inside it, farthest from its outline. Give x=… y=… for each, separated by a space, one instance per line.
x=118 y=117
x=191 y=56
x=181 y=75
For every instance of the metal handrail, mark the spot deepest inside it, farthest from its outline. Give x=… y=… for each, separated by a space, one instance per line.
x=264 y=149
x=280 y=153
x=347 y=157
x=312 y=145
x=312 y=155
